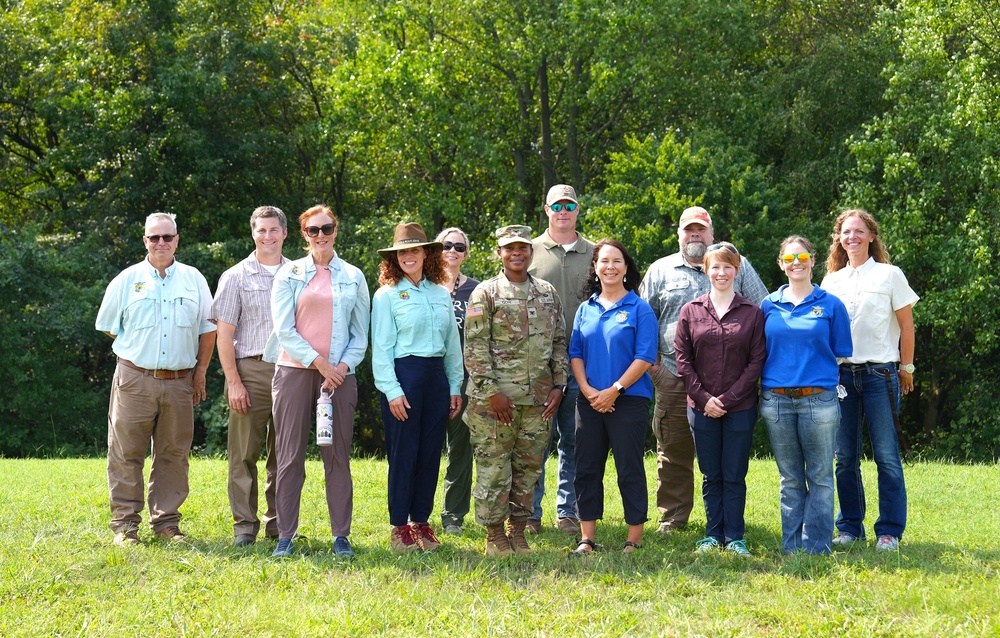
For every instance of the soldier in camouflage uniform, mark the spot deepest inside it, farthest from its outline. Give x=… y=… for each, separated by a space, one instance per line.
x=515 y=352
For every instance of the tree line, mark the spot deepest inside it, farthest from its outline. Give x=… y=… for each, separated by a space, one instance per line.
x=773 y=115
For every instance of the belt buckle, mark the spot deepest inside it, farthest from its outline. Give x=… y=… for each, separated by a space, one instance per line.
x=795 y=393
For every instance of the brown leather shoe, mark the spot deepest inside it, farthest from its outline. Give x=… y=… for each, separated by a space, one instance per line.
x=128 y=535
x=172 y=533
x=401 y=540
x=533 y=526
x=568 y=525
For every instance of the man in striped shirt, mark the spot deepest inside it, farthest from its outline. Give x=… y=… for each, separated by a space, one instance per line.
x=242 y=312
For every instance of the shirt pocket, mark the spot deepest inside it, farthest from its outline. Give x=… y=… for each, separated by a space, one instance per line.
x=508 y=329
x=140 y=312
x=345 y=296
x=185 y=306
x=256 y=304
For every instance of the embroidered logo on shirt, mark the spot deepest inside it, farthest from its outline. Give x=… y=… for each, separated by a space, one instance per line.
x=817 y=311
x=621 y=317
x=296 y=270
x=139 y=286
x=404 y=295
x=474 y=311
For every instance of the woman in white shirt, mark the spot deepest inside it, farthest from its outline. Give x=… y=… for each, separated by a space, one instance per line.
x=880 y=304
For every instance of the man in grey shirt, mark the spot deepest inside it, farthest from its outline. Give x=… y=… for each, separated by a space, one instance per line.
x=671 y=282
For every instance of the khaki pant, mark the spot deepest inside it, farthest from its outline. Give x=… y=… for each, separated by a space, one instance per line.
x=145 y=409
x=674 y=449
x=247 y=434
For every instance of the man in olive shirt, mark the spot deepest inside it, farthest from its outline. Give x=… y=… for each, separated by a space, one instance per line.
x=562 y=257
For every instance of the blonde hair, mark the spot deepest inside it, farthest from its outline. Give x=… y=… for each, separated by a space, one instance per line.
x=876 y=249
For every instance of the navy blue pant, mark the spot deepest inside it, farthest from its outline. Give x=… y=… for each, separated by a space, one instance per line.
x=624 y=433
x=413 y=446
x=723 y=448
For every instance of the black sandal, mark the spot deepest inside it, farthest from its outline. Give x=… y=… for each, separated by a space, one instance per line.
x=634 y=546
x=584 y=542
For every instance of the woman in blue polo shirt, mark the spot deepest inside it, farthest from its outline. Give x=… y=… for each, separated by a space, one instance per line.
x=805 y=329
x=614 y=341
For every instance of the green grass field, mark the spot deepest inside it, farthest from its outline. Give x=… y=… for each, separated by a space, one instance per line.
x=61 y=575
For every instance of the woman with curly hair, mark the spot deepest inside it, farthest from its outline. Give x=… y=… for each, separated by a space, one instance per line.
x=417 y=364
x=880 y=304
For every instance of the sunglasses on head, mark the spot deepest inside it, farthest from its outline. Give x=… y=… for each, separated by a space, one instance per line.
x=793 y=257
x=155 y=239
x=558 y=207
x=326 y=229
x=458 y=246
x=720 y=247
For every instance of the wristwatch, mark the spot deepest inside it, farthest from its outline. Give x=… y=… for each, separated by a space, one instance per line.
x=561 y=388
x=908 y=368
x=619 y=387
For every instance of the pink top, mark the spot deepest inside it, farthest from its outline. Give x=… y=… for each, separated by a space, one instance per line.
x=313 y=317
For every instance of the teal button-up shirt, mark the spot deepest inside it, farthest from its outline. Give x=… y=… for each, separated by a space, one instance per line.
x=416 y=321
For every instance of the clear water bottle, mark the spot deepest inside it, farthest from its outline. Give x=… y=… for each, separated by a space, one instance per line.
x=324 y=417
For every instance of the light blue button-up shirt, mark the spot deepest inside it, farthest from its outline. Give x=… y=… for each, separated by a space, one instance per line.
x=417 y=321
x=157 y=322
x=351 y=313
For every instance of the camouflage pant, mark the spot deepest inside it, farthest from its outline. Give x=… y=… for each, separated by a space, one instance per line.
x=508 y=461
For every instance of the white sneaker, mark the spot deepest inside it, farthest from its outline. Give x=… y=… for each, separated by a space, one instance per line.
x=844 y=539
x=887 y=543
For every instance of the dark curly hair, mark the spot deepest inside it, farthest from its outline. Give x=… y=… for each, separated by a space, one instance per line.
x=632 y=274
x=389 y=272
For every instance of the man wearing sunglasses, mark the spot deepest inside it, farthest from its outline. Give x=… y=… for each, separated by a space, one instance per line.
x=671 y=282
x=562 y=258
x=157 y=313
x=242 y=311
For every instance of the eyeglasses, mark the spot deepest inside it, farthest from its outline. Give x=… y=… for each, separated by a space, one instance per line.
x=458 y=246
x=720 y=247
x=558 y=207
x=155 y=239
x=326 y=229
x=793 y=257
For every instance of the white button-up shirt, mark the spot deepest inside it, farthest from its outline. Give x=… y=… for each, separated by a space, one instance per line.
x=872 y=293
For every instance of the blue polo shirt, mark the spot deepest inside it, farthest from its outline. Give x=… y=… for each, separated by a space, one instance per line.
x=608 y=341
x=804 y=341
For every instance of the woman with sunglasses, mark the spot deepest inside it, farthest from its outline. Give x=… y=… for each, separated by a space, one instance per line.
x=458 y=470
x=806 y=329
x=417 y=364
x=880 y=303
x=720 y=353
x=321 y=310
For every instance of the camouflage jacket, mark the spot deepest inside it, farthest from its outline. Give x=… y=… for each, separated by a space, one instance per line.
x=515 y=344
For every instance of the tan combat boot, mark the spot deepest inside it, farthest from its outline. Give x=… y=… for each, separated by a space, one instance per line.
x=496 y=541
x=515 y=533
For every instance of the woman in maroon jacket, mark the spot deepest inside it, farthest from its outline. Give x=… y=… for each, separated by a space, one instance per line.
x=720 y=354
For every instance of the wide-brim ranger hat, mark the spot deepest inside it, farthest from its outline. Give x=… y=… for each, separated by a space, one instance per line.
x=408 y=235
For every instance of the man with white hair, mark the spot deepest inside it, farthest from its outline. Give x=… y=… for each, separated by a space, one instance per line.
x=671 y=282
x=157 y=313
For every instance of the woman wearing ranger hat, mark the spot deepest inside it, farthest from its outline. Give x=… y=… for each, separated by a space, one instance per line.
x=515 y=352
x=417 y=364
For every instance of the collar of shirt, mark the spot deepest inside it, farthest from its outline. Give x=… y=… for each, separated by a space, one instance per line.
x=254 y=267
x=548 y=243
x=156 y=273
x=778 y=296
x=677 y=261
x=862 y=269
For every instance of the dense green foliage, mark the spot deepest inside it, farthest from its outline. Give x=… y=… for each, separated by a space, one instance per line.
x=772 y=115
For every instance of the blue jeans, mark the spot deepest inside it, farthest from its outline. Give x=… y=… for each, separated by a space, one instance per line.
x=802 y=432
x=869 y=399
x=563 y=422
x=723 y=448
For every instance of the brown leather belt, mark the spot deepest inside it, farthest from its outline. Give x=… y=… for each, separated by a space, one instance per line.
x=795 y=393
x=256 y=357
x=157 y=374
